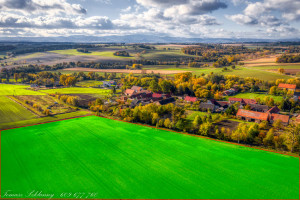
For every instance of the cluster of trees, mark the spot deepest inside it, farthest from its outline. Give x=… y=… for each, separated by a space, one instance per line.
x=42 y=47
x=227 y=61
x=122 y=53
x=71 y=100
x=217 y=50
x=288 y=58
x=135 y=66
x=83 y=50
x=173 y=117
x=67 y=80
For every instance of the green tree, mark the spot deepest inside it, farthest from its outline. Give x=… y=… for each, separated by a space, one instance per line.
x=293 y=135
x=167 y=123
x=269 y=139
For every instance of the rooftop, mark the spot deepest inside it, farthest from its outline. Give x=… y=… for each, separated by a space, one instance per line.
x=252 y=114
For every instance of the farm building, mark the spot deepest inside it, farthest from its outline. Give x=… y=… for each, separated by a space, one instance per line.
x=252 y=116
x=274 y=109
x=229 y=92
x=207 y=106
x=158 y=96
x=129 y=92
x=259 y=108
x=109 y=83
x=283 y=118
x=136 y=88
x=190 y=99
x=242 y=101
x=298 y=119
x=165 y=101
x=291 y=87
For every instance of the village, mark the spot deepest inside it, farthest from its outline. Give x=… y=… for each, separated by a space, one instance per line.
x=249 y=109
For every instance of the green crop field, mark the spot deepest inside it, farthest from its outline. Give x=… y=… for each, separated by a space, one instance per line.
x=11 y=111
x=74 y=52
x=256 y=95
x=121 y=160
x=242 y=72
x=78 y=90
x=7 y=89
x=90 y=83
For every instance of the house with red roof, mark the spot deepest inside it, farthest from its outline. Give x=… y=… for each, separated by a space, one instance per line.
x=233 y=100
x=129 y=92
x=190 y=99
x=252 y=116
x=291 y=87
x=274 y=109
x=298 y=119
x=283 y=118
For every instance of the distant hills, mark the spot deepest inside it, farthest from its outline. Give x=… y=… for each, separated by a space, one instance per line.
x=139 y=39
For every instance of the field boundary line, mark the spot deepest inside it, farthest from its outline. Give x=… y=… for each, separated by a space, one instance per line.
x=244 y=145
x=47 y=122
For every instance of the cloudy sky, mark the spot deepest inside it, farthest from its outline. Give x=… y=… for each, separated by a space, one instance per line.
x=182 y=18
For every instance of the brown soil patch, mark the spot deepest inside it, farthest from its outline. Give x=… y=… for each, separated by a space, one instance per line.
x=232 y=125
x=149 y=71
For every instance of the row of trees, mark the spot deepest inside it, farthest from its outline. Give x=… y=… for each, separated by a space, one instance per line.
x=288 y=58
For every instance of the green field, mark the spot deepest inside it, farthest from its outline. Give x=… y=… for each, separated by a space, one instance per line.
x=11 y=111
x=7 y=89
x=255 y=95
x=74 y=52
x=78 y=90
x=242 y=72
x=121 y=160
x=165 y=54
x=90 y=83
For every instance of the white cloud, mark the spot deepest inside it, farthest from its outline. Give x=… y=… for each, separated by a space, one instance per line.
x=51 y=7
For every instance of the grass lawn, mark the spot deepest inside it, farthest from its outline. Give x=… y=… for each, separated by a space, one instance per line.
x=90 y=83
x=192 y=114
x=255 y=95
x=121 y=160
x=74 y=52
x=8 y=89
x=78 y=90
x=11 y=111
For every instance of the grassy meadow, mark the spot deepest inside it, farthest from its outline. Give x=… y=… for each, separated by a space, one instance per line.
x=122 y=160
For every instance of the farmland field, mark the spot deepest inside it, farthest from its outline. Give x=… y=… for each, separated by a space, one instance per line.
x=7 y=89
x=11 y=111
x=242 y=72
x=255 y=95
x=77 y=90
x=74 y=52
x=121 y=160
x=90 y=83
